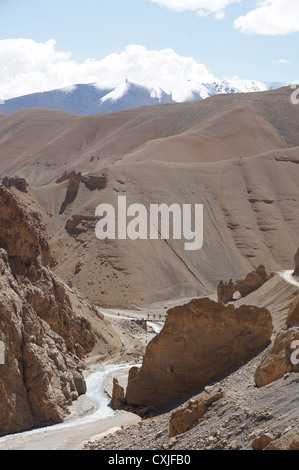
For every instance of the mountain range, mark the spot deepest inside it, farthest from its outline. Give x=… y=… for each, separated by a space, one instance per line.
x=237 y=154
x=108 y=97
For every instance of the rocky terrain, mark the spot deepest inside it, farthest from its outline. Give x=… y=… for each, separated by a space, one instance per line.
x=44 y=340
x=244 y=418
x=221 y=373
x=199 y=342
x=235 y=411
x=45 y=336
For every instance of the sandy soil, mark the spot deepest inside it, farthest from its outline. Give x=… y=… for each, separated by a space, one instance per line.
x=72 y=438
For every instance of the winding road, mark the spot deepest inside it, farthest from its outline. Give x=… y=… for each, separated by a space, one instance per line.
x=130 y=315
x=288 y=277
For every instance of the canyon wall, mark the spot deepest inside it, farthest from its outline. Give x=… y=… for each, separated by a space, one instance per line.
x=44 y=339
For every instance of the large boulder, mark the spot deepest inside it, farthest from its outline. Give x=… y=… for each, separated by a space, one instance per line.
x=118 y=395
x=43 y=338
x=288 y=441
x=187 y=416
x=200 y=341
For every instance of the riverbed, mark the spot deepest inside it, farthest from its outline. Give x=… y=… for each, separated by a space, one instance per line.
x=98 y=419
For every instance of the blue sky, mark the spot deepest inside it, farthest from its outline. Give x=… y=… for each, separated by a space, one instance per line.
x=250 y=39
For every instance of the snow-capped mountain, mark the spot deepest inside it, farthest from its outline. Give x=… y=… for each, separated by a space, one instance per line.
x=102 y=98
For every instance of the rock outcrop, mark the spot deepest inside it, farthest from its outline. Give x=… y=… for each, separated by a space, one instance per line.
x=91 y=182
x=72 y=190
x=262 y=441
x=293 y=314
x=281 y=358
x=243 y=287
x=44 y=339
x=79 y=224
x=118 y=395
x=277 y=361
x=296 y=260
x=187 y=416
x=200 y=341
x=19 y=183
x=288 y=441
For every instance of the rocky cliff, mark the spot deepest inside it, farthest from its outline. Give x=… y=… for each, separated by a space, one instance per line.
x=199 y=341
x=279 y=359
x=227 y=291
x=44 y=339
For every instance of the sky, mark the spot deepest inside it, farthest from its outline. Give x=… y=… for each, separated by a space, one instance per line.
x=48 y=44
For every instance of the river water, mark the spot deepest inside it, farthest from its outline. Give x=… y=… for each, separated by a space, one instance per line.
x=95 y=392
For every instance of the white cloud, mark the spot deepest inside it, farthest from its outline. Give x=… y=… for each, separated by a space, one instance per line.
x=220 y=15
x=271 y=17
x=29 y=67
x=282 y=61
x=201 y=7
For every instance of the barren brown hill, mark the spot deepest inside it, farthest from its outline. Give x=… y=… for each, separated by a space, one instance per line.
x=241 y=131
x=235 y=154
x=41 y=145
x=250 y=218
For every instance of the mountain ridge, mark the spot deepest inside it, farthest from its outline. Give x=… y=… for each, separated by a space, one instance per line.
x=107 y=97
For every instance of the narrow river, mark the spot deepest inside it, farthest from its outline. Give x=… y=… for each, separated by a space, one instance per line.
x=70 y=434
